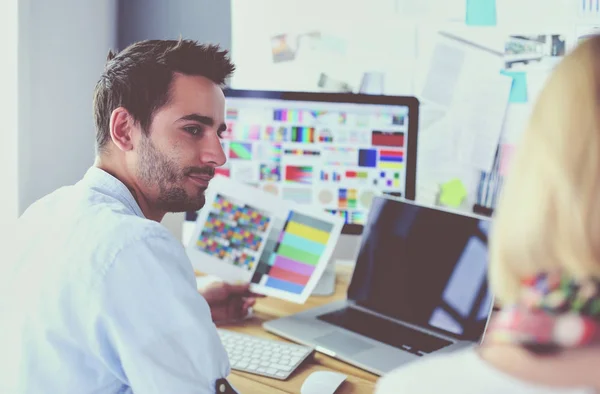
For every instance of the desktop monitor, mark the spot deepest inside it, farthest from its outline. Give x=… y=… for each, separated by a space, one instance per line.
x=333 y=151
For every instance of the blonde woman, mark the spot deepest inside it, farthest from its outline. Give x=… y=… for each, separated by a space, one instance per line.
x=545 y=256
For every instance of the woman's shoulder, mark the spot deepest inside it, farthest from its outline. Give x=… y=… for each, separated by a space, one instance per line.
x=463 y=372
x=433 y=374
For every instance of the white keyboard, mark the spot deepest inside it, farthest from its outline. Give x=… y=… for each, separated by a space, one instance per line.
x=274 y=359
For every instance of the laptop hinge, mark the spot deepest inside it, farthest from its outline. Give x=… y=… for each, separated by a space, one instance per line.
x=354 y=305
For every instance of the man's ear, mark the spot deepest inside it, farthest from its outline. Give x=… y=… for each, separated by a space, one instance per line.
x=122 y=127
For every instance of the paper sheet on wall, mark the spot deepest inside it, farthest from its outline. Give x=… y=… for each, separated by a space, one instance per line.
x=298 y=45
x=244 y=234
x=464 y=78
x=479 y=118
x=437 y=164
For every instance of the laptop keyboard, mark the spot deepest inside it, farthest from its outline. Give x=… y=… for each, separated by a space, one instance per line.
x=385 y=331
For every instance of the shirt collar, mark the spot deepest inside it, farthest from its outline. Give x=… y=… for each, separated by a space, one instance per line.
x=103 y=181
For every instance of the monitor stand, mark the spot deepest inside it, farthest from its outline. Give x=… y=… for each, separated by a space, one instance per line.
x=345 y=250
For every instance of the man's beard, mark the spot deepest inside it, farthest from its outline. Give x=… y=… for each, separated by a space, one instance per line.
x=155 y=169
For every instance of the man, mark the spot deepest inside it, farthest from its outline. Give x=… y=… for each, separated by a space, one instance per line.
x=103 y=296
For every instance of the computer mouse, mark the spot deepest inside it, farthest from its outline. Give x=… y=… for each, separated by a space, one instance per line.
x=322 y=382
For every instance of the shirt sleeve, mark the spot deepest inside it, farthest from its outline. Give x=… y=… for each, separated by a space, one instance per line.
x=154 y=330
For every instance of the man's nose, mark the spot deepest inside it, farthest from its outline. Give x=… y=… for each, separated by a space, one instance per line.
x=212 y=152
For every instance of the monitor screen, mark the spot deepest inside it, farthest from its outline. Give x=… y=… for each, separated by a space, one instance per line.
x=424 y=266
x=331 y=151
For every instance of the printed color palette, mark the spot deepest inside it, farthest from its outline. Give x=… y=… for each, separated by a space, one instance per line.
x=233 y=232
x=296 y=254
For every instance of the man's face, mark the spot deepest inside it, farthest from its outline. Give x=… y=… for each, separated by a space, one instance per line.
x=177 y=159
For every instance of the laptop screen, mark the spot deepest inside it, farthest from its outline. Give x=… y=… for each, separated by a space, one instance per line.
x=424 y=266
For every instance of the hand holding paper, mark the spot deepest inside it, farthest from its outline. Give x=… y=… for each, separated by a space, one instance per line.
x=228 y=302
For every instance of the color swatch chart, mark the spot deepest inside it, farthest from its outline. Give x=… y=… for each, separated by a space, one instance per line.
x=233 y=233
x=295 y=255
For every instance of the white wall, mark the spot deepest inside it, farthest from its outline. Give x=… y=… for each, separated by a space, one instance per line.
x=63 y=46
x=8 y=115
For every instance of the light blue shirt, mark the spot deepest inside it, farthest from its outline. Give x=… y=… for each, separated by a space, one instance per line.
x=103 y=300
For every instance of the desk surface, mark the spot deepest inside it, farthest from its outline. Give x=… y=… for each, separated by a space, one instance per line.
x=358 y=381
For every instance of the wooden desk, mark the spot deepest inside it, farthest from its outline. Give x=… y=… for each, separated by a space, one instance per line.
x=358 y=381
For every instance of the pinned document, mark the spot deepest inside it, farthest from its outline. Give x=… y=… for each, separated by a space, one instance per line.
x=453 y=193
x=481 y=13
x=463 y=78
x=518 y=90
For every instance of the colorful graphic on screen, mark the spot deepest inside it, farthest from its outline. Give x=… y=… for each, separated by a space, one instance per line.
x=234 y=233
x=232 y=114
x=389 y=179
x=287 y=115
x=367 y=158
x=295 y=254
x=276 y=134
x=347 y=198
x=270 y=172
x=240 y=150
x=299 y=174
x=269 y=152
x=330 y=176
x=300 y=147
x=302 y=134
x=387 y=138
x=247 y=132
x=391 y=159
x=223 y=171
x=302 y=152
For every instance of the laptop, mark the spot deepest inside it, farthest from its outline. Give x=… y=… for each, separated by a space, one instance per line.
x=419 y=287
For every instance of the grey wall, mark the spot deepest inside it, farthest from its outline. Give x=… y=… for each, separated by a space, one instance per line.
x=63 y=46
x=203 y=20
x=9 y=12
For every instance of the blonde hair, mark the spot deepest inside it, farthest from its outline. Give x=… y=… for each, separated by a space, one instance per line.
x=548 y=217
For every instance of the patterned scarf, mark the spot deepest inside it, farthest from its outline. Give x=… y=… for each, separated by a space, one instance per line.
x=554 y=312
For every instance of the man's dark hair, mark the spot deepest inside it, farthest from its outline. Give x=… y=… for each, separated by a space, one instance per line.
x=139 y=78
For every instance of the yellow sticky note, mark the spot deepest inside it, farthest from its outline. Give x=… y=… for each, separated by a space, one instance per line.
x=453 y=193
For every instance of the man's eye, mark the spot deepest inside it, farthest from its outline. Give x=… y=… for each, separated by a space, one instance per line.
x=193 y=130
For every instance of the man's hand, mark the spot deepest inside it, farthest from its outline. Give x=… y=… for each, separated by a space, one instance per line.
x=228 y=302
